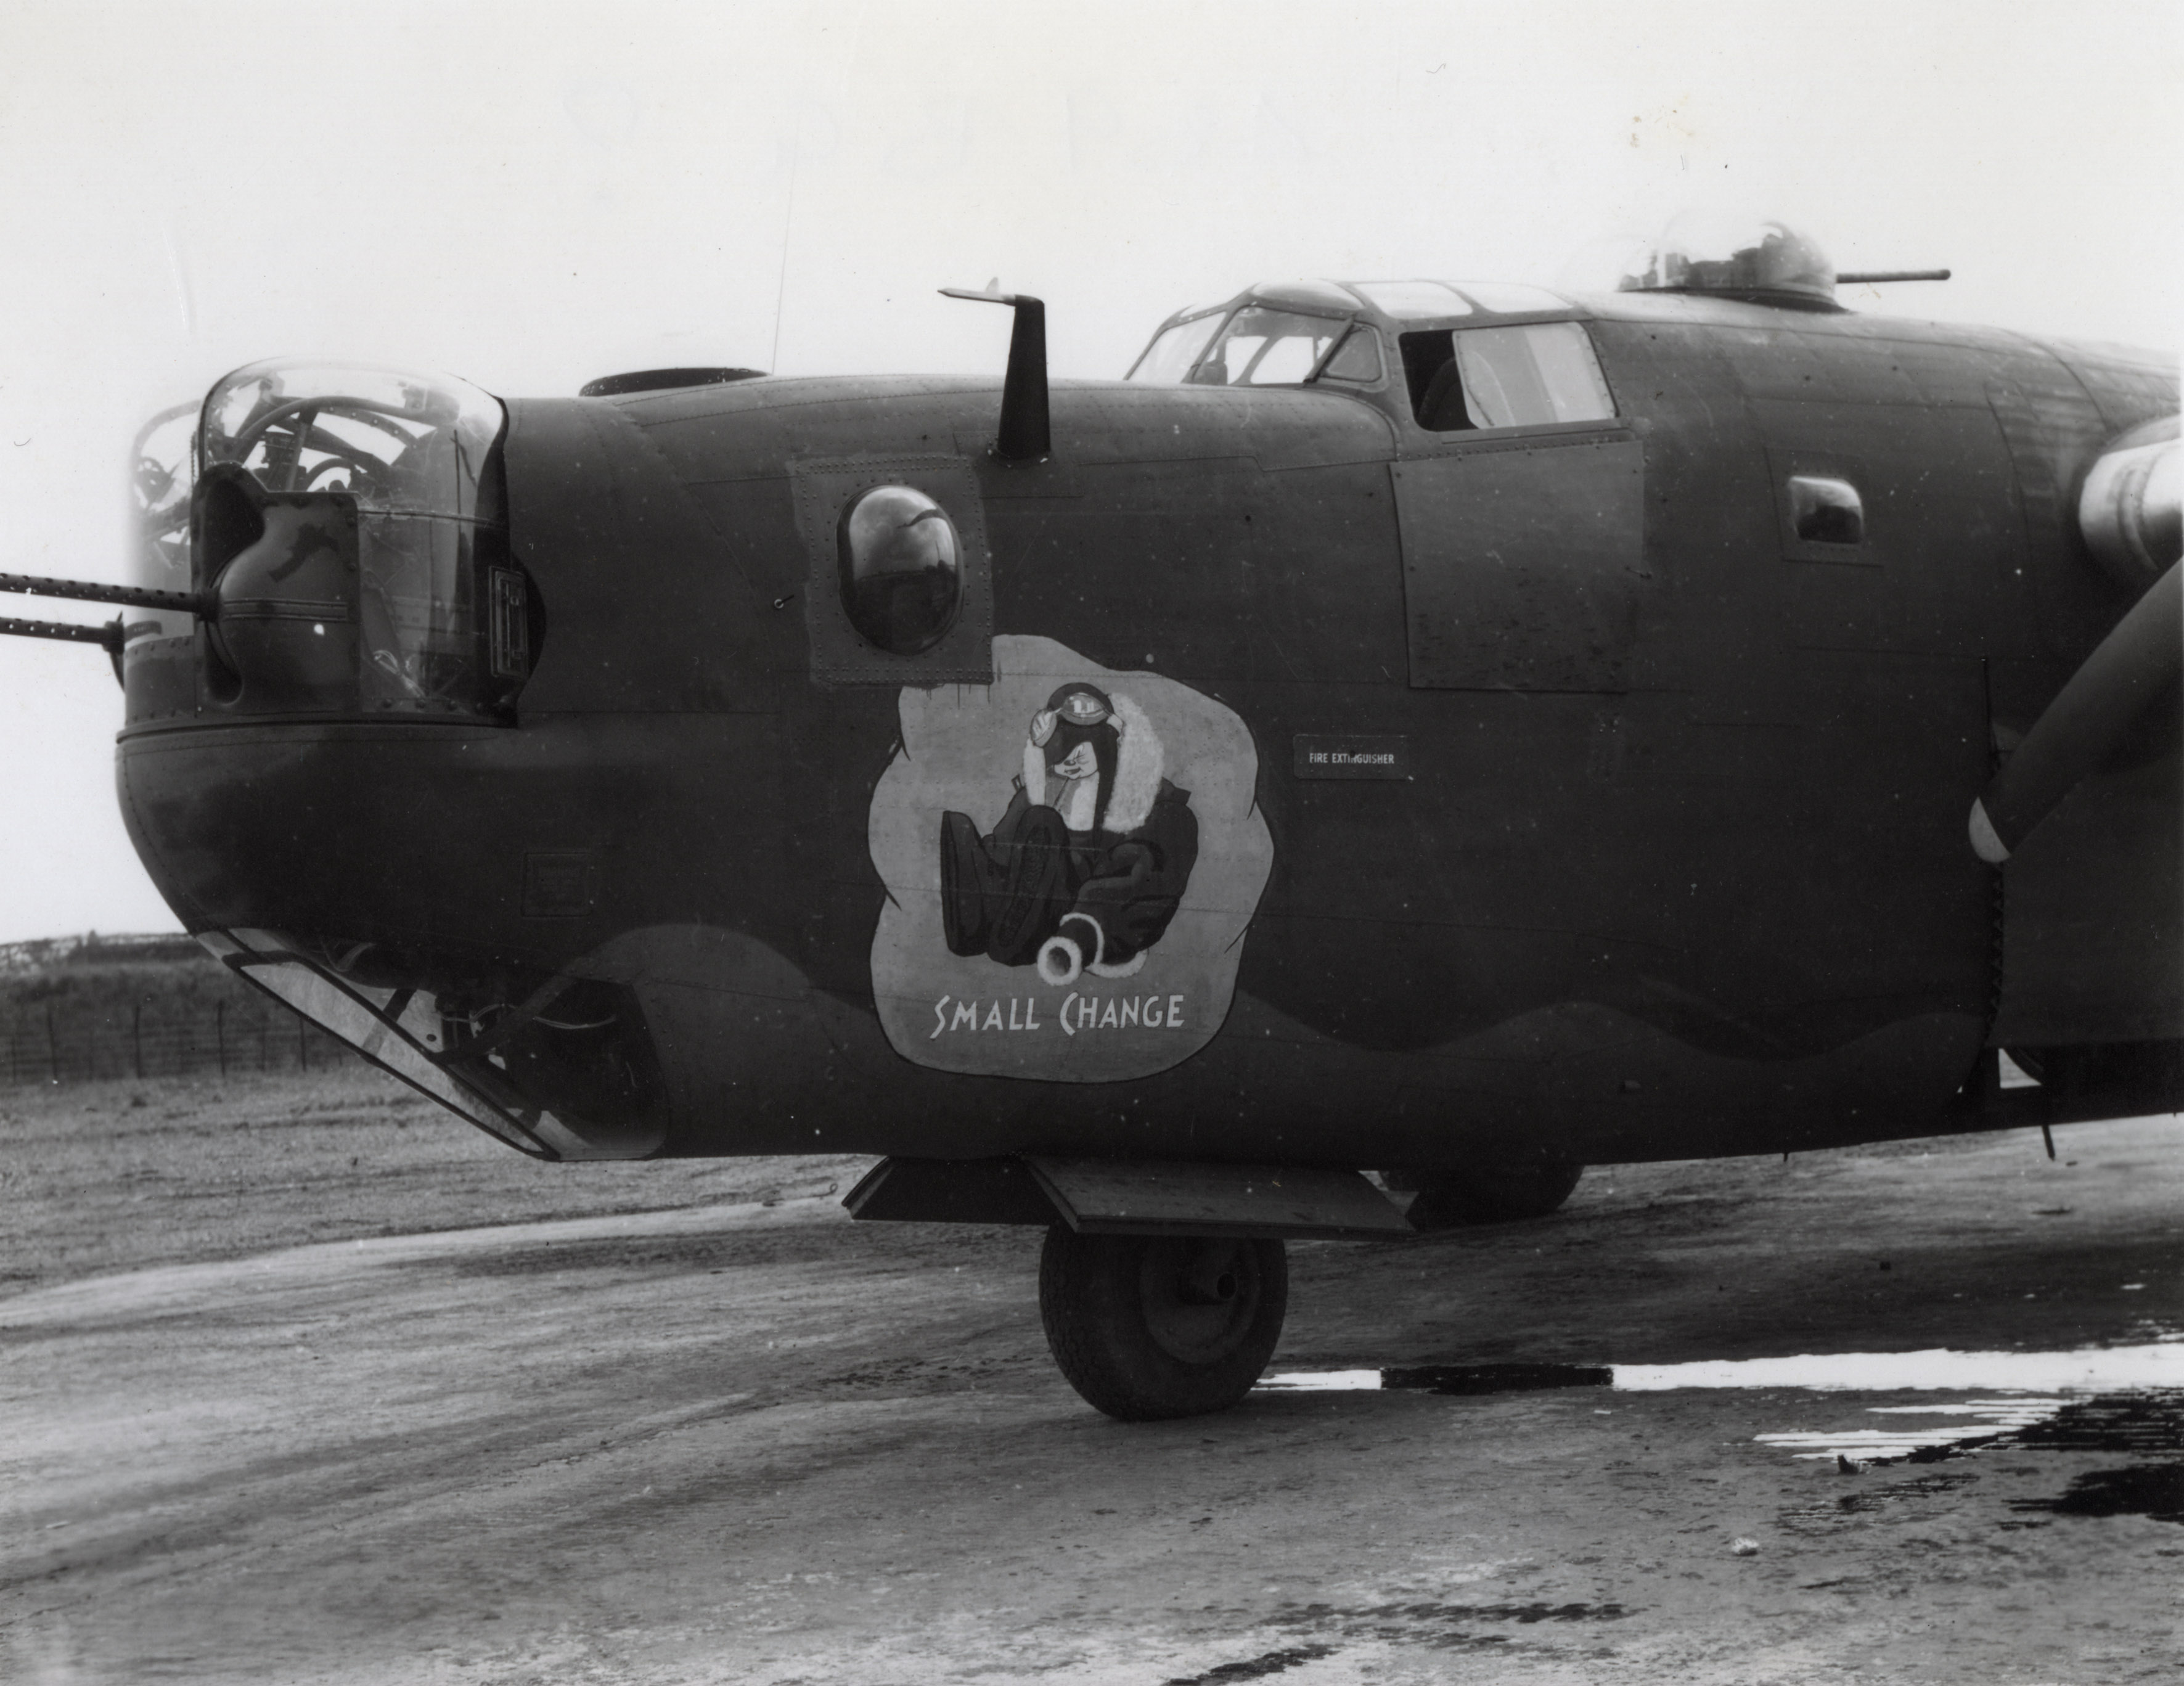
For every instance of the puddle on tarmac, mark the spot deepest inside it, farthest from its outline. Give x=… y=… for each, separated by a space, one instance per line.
x=2102 y=1369
x=2146 y=1418
x=2088 y=1370
x=2155 y=1491
x=2096 y=1398
x=1981 y=1422
x=2151 y=1420
x=1442 y=1378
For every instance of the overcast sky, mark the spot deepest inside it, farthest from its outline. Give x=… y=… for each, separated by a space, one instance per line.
x=531 y=195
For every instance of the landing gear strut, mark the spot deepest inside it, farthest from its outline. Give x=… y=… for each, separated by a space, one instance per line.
x=1152 y=1326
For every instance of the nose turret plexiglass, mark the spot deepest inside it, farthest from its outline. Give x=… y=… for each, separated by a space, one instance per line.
x=342 y=509
x=162 y=472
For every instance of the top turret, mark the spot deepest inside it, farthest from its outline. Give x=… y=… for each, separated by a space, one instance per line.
x=1737 y=255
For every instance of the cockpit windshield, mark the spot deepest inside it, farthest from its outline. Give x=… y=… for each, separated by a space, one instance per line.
x=1257 y=346
x=1169 y=359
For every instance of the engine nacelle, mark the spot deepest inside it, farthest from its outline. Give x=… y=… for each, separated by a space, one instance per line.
x=2128 y=510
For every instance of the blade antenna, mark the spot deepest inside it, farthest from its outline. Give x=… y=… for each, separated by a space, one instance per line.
x=1024 y=436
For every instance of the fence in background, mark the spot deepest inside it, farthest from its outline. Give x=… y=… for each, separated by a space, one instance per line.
x=74 y=1009
x=47 y=1043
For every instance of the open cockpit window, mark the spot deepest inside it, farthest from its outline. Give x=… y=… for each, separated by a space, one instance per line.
x=1521 y=376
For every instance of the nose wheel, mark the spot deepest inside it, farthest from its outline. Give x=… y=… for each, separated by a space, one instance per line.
x=1152 y=1327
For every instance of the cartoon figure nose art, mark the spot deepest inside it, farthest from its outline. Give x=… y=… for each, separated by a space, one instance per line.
x=1071 y=869
x=1089 y=862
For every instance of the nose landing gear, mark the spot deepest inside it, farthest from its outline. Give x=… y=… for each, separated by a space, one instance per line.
x=1152 y=1327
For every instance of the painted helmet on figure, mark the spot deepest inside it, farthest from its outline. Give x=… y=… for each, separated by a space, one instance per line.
x=1080 y=705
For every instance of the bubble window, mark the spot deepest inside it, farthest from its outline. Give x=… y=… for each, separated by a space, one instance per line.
x=901 y=568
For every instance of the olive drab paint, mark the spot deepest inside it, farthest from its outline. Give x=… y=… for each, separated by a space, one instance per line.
x=1592 y=781
x=1452 y=729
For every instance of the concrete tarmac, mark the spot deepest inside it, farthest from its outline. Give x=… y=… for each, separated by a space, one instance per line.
x=755 y=1442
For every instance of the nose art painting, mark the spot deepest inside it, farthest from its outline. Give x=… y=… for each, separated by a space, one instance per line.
x=1072 y=855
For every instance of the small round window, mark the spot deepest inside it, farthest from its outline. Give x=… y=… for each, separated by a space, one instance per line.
x=902 y=568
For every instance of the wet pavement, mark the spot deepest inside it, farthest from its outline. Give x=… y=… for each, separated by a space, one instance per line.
x=1907 y=1414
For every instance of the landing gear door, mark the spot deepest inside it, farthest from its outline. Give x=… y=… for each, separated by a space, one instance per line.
x=1523 y=563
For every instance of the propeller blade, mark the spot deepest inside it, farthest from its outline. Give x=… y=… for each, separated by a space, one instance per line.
x=2140 y=655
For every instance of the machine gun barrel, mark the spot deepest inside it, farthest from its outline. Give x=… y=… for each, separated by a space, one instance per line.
x=1856 y=277
x=108 y=636
x=85 y=590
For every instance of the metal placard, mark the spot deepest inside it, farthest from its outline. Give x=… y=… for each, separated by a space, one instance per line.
x=1353 y=756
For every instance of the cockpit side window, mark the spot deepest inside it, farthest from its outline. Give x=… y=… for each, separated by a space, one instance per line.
x=1521 y=376
x=1357 y=359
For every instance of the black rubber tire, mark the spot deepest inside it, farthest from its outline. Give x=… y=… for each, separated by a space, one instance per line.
x=1139 y=1325
x=1505 y=1191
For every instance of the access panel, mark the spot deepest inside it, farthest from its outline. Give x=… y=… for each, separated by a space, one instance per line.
x=1523 y=564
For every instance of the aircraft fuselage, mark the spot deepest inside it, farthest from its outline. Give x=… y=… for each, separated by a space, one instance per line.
x=1636 y=826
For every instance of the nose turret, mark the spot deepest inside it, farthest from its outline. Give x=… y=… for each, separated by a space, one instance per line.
x=283 y=629
x=350 y=530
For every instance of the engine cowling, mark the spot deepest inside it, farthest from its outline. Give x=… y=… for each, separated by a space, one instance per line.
x=2129 y=512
